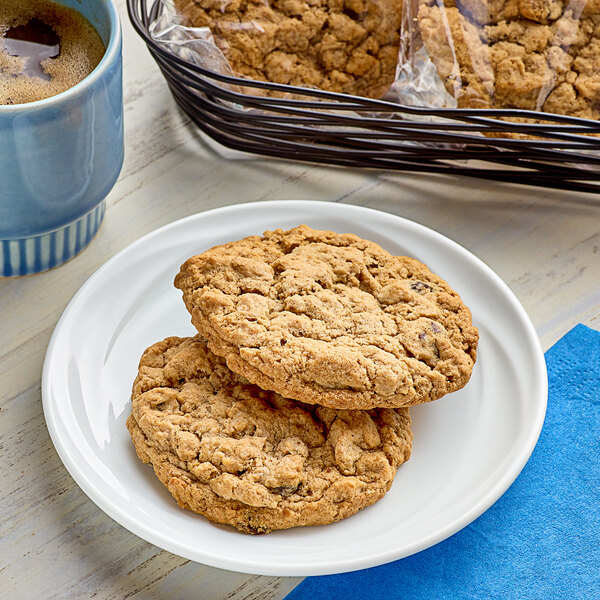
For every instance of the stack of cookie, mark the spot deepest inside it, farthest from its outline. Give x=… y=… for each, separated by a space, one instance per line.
x=290 y=405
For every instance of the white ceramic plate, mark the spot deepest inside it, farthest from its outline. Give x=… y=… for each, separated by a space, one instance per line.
x=468 y=447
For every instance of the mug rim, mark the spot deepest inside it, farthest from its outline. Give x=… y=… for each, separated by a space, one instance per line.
x=111 y=52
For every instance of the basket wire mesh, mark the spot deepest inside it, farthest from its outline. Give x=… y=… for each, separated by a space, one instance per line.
x=338 y=129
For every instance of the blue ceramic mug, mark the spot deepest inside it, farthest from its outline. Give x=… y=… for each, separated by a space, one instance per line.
x=60 y=157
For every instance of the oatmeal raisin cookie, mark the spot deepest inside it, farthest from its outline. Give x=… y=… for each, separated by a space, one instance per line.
x=242 y=456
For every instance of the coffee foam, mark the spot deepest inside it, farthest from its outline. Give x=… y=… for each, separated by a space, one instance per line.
x=81 y=49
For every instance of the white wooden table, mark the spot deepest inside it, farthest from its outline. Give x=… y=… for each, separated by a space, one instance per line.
x=54 y=542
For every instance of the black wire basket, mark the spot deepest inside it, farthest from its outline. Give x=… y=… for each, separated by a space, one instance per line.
x=338 y=129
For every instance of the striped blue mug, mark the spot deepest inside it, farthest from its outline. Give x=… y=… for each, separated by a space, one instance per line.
x=60 y=157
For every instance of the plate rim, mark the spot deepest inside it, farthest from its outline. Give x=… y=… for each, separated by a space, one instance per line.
x=119 y=515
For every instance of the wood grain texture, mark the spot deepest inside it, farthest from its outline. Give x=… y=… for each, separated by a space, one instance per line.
x=54 y=542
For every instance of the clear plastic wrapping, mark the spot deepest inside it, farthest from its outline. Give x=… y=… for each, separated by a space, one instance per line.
x=541 y=55
x=195 y=44
x=348 y=46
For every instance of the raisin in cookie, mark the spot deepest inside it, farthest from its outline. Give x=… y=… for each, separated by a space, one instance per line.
x=330 y=319
x=245 y=457
x=532 y=55
x=346 y=46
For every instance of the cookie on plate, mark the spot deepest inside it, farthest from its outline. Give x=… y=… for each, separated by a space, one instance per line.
x=349 y=46
x=527 y=55
x=330 y=319
x=238 y=455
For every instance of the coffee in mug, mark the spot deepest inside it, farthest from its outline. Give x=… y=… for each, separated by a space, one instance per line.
x=61 y=140
x=45 y=49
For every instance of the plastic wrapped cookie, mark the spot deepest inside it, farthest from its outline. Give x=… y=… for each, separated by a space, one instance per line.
x=540 y=56
x=348 y=46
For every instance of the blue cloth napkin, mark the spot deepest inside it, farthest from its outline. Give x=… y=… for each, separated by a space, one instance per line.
x=541 y=540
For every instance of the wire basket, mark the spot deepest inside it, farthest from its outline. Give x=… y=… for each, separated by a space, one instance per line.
x=338 y=129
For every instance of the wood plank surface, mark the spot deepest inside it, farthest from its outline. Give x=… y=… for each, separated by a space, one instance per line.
x=54 y=542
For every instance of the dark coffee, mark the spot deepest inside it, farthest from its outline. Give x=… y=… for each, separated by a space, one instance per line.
x=35 y=42
x=45 y=48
